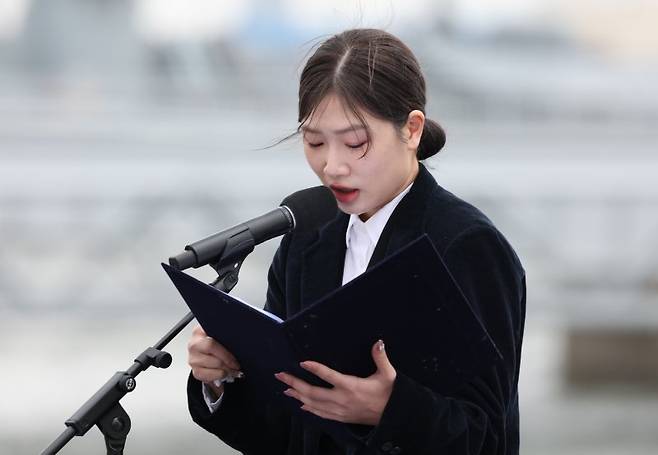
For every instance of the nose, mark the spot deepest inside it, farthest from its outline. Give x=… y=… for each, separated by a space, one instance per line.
x=336 y=163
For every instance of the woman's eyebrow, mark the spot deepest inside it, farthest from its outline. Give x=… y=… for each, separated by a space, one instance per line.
x=308 y=129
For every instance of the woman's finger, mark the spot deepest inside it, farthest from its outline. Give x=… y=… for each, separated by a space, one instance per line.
x=294 y=382
x=209 y=346
x=306 y=391
x=208 y=361
x=208 y=375
x=220 y=351
x=325 y=373
x=198 y=331
x=384 y=366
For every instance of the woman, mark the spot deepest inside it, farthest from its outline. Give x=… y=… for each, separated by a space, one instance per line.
x=362 y=119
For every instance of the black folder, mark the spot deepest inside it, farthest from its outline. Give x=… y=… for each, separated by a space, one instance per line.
x=409 y=300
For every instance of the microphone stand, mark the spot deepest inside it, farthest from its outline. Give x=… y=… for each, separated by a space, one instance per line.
x=103 y=408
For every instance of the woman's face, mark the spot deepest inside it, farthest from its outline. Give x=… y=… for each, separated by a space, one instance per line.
x=335 y=143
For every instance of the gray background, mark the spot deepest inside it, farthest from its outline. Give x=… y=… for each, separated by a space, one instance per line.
x=130 y=128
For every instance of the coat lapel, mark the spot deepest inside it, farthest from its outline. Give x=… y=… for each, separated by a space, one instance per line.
x=407 y=220
x=323 y=261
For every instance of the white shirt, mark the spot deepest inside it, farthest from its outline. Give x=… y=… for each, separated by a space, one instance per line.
x=360 y=241
x=362 y=237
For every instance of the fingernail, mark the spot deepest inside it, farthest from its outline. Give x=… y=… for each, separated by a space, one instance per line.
x=240 y=375
x=217 y=382
x=380 y=345
x=287 y=392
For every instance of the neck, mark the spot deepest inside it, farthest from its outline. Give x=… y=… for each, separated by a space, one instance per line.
x=412 y=177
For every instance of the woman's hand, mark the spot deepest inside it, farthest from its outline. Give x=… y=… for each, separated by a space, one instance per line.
x=210 y=361
x=352 y=399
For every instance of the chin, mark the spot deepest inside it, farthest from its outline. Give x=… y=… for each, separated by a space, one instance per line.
x=350 y=210
x=347 y=210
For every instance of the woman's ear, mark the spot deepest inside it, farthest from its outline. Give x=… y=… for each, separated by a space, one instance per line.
x=414 y=128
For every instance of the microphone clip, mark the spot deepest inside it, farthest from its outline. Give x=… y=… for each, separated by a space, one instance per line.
x=228 y=263
x=227 y=275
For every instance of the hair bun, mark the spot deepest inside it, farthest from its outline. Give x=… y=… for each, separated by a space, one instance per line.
x=432 y=140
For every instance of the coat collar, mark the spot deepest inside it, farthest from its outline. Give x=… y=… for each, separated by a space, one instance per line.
x=408 y=219
x=323 y=260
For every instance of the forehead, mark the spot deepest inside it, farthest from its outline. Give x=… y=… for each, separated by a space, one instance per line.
x=333 y=115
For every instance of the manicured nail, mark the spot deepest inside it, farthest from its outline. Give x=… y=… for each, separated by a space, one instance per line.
x=287 y=392
x=217 y=382
x=240 y=375
x=380 y=345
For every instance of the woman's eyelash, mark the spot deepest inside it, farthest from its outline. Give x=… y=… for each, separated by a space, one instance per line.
x=357 y=146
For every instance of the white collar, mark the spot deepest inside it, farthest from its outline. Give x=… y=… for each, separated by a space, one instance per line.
x=374 y=225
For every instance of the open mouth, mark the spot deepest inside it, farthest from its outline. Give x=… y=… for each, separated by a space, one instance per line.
x=344 y=194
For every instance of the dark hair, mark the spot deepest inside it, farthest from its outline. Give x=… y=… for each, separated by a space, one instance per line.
x=372 y=70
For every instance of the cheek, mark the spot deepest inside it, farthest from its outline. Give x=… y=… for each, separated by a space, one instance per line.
x=379 y=165
x=314 y=161
x=386 y=169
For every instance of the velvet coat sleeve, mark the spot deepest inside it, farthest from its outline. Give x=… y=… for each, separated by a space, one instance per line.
x=241 y=423
x=481 y=418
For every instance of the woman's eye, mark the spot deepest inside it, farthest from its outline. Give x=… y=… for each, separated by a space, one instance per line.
x=310 y=144
x=357 y=146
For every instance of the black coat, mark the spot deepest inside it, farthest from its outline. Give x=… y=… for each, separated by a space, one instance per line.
x=482 y=418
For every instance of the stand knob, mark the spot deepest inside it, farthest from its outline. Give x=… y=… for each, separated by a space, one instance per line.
x=127 y=383
x=162 y=360
x=155 y=357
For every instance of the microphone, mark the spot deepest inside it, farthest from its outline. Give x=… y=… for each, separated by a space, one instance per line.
x=301 y=211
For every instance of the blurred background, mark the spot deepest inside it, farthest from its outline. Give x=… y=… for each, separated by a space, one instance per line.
x=131 y=128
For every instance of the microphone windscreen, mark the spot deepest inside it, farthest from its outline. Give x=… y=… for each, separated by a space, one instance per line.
x=311 y=207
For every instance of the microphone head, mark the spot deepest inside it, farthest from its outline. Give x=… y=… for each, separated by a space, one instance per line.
x=311 y=207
